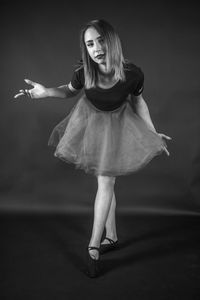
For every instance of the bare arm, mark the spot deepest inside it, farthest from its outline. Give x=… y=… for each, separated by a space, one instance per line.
x=40 y=91
x=63 y=91
x=143 y=111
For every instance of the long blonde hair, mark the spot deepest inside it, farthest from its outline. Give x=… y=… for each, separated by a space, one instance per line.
x=114 y=59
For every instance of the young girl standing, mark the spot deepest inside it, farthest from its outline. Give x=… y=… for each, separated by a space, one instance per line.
x=109 y=132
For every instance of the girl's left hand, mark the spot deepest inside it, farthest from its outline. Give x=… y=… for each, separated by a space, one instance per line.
x=167 y=138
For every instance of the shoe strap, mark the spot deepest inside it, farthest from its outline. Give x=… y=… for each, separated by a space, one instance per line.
x=91 y=248
x=110 y=240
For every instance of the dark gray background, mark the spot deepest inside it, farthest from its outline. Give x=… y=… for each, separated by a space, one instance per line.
x=40 y=41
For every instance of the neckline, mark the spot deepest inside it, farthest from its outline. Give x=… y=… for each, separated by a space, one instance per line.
x=107 y=89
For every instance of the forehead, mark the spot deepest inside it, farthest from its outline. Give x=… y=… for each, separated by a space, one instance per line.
x=91 y=34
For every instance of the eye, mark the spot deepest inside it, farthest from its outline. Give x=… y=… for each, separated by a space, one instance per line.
x=89 y=45
x=101 y=40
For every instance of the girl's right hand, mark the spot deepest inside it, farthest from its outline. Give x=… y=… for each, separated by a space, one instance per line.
x=38 y=91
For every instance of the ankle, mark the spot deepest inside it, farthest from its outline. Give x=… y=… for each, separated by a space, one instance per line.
x=112 y=235
x=94 y=244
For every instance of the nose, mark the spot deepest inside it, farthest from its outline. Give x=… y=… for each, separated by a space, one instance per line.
x=97 y=46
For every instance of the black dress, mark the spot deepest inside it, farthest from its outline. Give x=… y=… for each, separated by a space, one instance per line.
x=102 y=134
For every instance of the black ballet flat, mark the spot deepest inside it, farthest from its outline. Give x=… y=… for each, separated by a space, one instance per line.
x=93 y=265
x=108 y=247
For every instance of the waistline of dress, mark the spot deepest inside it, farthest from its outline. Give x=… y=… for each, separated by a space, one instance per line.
x=104 y=111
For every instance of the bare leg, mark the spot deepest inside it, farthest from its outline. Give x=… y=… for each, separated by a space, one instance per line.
x=111 y=231
x=101 y=209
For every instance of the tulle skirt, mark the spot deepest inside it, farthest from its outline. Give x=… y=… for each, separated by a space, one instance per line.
x=109 y=143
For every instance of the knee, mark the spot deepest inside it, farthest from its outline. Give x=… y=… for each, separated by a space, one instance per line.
x=106 y=181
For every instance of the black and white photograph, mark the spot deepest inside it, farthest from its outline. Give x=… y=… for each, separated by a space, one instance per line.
x=100 y=150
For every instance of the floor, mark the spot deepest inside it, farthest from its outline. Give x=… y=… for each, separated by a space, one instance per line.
x=42 y=257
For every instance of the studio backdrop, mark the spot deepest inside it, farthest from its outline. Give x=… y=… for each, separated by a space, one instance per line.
x=41 y=43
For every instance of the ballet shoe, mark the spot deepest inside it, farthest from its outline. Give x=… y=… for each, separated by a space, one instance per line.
x=93 y=265
x=108 y=247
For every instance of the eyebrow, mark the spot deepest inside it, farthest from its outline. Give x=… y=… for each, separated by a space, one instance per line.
x=92 y=40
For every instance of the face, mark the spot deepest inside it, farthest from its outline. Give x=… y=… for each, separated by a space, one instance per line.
x=95 y=45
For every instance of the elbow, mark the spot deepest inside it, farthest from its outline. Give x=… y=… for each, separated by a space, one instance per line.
x=69 y=93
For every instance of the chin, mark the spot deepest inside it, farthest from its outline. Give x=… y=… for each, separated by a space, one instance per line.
x=101 y=61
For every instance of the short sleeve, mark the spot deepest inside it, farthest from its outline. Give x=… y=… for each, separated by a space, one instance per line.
x=77 y=80
x=140 y=83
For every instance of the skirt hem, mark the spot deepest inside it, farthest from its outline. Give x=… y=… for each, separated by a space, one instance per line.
x=94 y=171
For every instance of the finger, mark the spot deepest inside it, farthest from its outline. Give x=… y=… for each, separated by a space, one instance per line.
x=18 y=95
x=28 y=94
x=165 y=136
x=25 y=93
x=167 y=152
x=30 y=82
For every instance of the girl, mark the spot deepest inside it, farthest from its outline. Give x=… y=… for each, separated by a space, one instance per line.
x=109 y=131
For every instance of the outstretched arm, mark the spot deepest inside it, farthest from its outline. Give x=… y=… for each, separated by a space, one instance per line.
x=39 y=91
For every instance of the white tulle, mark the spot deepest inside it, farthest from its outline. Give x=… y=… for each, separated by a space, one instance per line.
x=110 y=143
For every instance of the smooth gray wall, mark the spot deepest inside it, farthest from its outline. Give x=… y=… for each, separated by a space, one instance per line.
x=41 y=42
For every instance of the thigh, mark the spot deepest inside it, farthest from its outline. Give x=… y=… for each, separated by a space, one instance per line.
x=106 y=180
